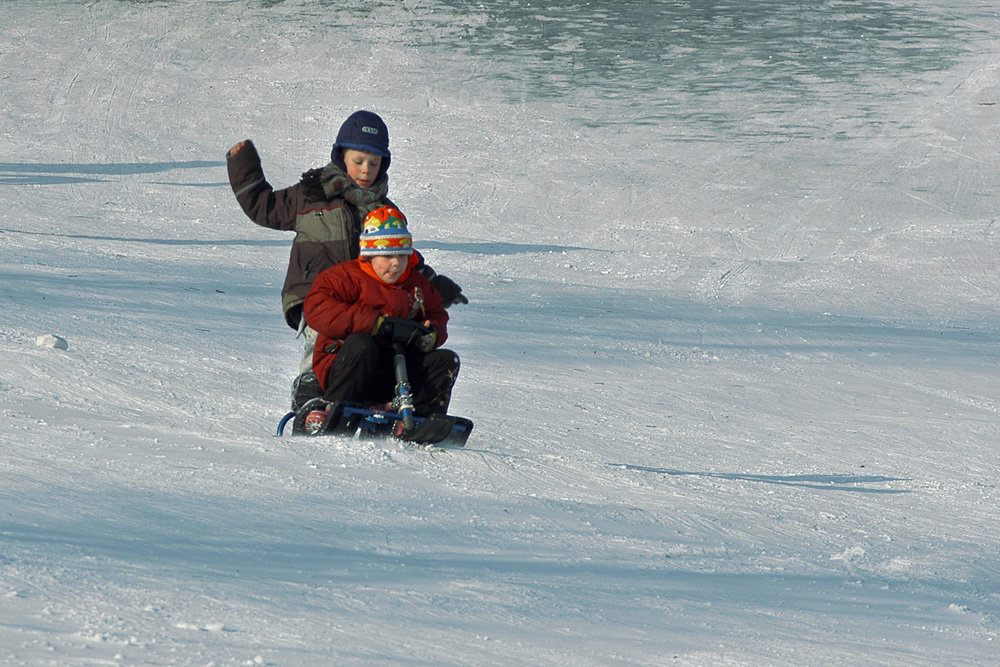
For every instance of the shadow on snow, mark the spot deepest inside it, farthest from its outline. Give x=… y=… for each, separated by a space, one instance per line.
x=55 y=173
x=169 y=242
x=833 y=482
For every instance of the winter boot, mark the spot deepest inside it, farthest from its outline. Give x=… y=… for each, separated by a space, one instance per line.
x=304 y=388
x=312 y=417
x=316 y=421
x=321 y=417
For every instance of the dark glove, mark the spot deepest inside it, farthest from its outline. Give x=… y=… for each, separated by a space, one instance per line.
x=449 y=290
x=426 y=342
x=380 y=327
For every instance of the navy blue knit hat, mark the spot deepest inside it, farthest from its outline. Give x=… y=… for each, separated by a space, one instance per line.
x=364 y=131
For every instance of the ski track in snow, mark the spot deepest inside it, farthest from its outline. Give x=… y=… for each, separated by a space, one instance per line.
x=735 y=393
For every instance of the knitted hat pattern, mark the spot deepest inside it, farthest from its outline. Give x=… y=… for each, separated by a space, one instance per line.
x=384 y=233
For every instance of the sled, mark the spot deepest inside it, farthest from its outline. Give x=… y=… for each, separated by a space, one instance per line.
x=348 y=419
x=355 y=420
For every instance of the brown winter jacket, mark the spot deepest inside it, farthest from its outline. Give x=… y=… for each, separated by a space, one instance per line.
x=325 y=210
x=348 y=298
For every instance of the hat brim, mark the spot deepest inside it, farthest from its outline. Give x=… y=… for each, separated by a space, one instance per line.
x=366 y=149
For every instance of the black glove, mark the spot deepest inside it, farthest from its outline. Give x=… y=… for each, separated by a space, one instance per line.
x=381 y=327
x=449 y=290
x=426 y=342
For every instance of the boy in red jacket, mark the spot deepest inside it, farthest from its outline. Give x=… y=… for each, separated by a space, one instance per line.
x=347 y=306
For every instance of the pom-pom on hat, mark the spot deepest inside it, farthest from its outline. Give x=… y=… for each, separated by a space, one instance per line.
x=364 y=131
x=384 y=233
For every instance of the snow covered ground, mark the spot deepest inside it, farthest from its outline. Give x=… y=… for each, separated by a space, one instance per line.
x=732 y=351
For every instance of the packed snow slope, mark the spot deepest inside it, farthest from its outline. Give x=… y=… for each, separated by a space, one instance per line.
x=732 y=350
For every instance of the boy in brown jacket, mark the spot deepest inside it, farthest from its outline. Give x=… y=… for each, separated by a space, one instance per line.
x=325 y=210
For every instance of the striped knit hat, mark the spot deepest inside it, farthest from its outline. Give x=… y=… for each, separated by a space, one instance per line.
x=385 y=233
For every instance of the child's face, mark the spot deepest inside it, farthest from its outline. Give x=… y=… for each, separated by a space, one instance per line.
x=389 y=268
x=362 y=166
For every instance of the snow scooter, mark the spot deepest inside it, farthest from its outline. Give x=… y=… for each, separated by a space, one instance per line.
x=396 y=420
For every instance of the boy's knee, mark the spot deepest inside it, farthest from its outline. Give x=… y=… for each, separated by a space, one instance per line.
x=447 y=360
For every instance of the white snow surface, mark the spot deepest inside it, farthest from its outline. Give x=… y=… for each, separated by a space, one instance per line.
x=732 y=350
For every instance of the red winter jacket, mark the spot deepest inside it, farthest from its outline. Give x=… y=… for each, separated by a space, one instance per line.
x=349 y=297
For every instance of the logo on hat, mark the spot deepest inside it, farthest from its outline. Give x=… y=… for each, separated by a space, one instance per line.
x=369 y=130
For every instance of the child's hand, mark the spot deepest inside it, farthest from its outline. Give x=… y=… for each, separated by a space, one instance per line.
x=426 y=342
x=450 y=291
x=237 y=148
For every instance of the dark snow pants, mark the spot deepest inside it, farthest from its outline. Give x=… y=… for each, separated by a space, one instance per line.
x=363 y=372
